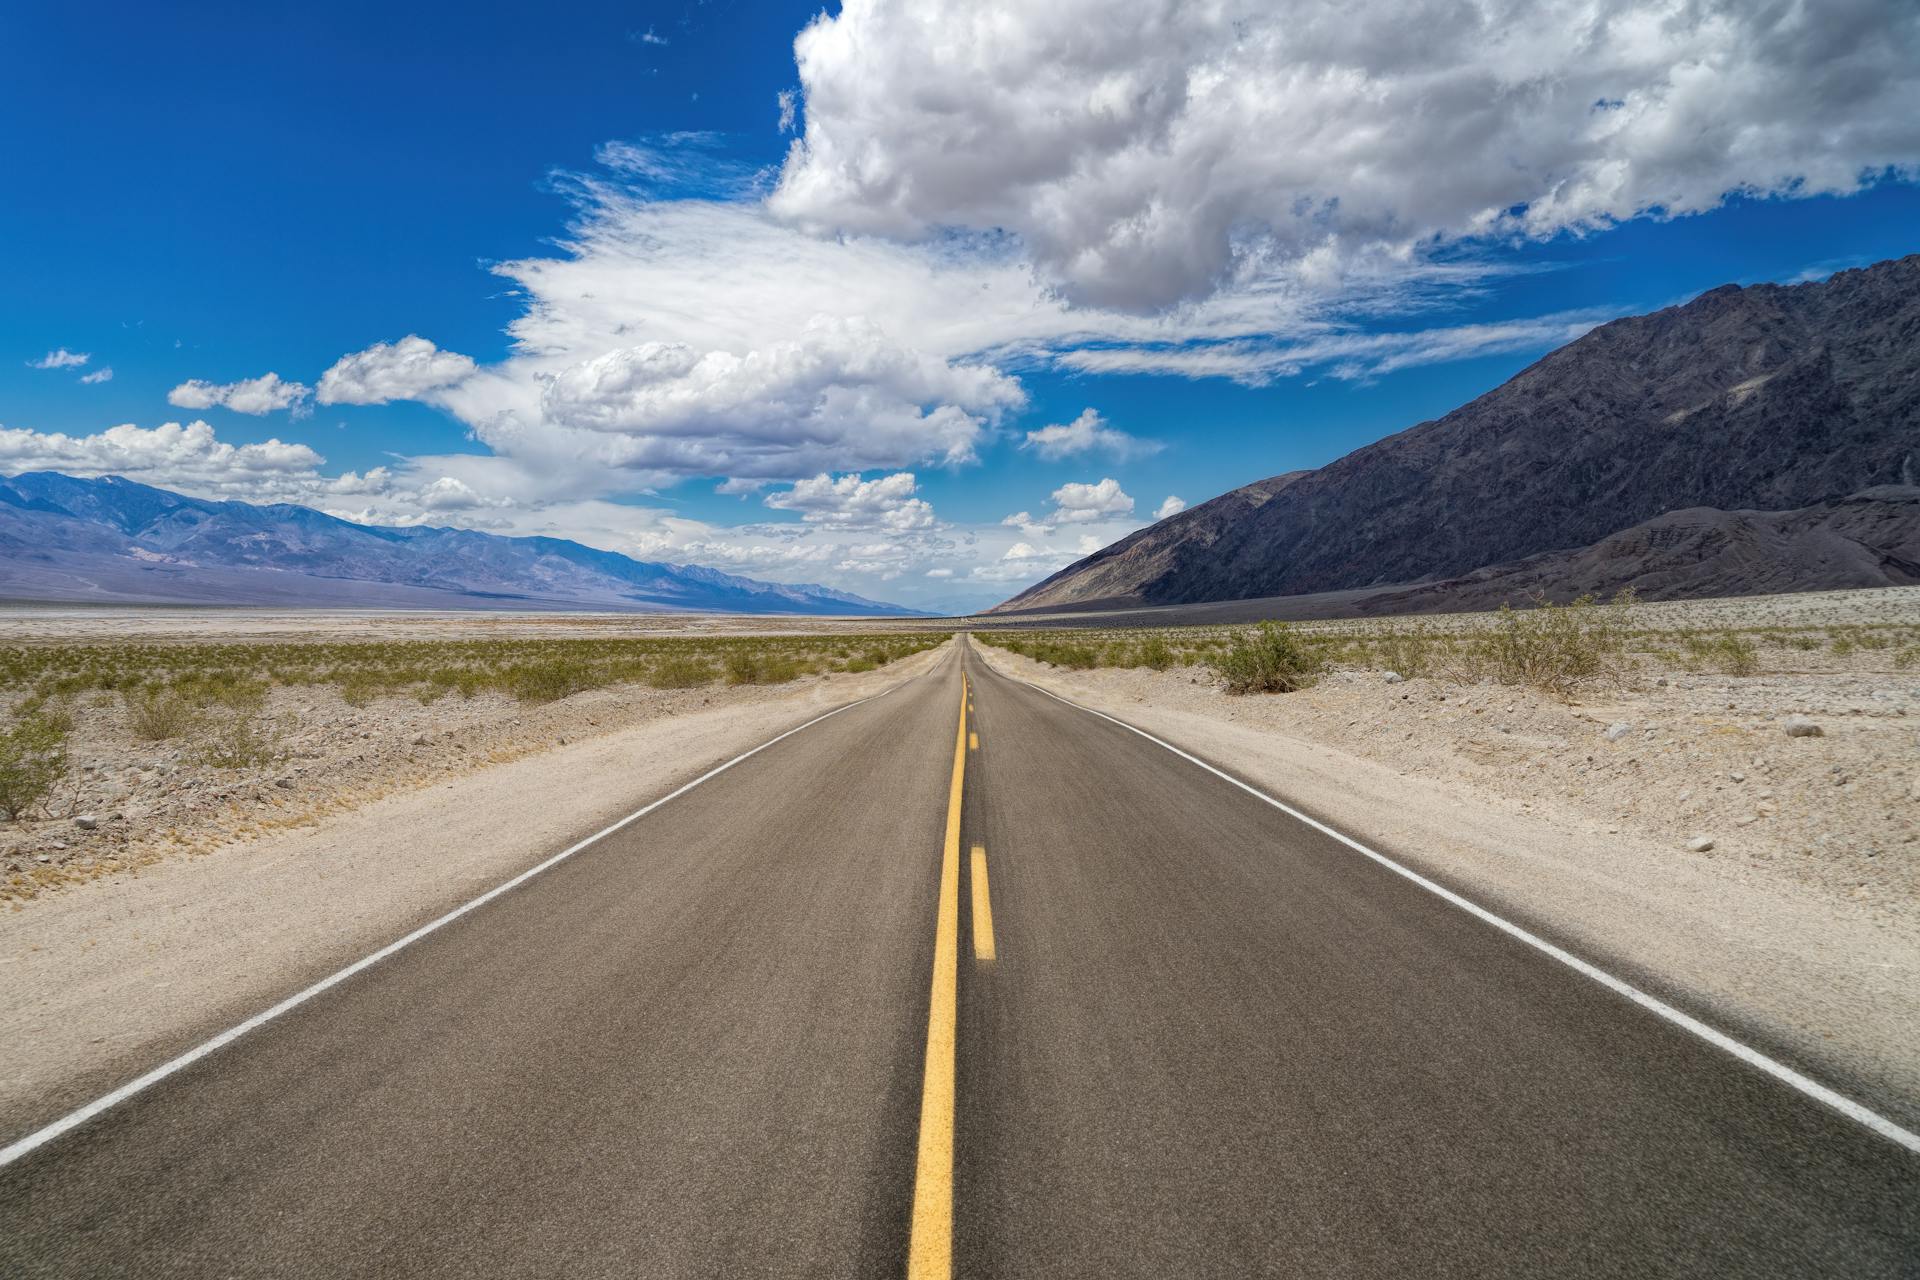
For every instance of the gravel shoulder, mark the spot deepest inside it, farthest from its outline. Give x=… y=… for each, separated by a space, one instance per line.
x=1807 y=947
x=108 y=977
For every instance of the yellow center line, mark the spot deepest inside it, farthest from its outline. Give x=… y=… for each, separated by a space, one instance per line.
x=930 y=1249
x=982 y=908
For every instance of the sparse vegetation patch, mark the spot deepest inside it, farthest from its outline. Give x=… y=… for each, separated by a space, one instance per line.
x=1270 y=659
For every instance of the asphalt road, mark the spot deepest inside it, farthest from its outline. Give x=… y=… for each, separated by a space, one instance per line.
x=1211 y=1042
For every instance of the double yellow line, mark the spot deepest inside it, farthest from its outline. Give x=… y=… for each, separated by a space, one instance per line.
x=930 y=1250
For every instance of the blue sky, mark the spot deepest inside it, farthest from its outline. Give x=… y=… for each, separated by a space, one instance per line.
x=662 y=322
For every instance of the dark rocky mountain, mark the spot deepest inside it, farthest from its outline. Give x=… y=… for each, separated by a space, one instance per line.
x=114 y=541
x=1750 y=400
x=1871 y=539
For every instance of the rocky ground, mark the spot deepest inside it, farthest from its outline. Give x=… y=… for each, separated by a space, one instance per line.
x=1809 y=777
x=1815 y=778
x=127 y=803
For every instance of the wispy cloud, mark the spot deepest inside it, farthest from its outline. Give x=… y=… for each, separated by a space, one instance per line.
x=60 y=358
x=1349 y=356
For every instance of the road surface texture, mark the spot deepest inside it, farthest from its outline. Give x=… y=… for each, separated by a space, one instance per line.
x=1211 y=1041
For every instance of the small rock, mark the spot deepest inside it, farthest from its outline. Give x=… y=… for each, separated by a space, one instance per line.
x=1393 y=677
x=1801 y=727
x=1618 y=730
x=285 y=784
x=1699 y=844
x=43 y=858
x=86 y=822
x=419 y=739
x=1738 y=777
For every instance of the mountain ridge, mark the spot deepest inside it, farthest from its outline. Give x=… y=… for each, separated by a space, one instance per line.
x=1757 y=398
x=111 y=539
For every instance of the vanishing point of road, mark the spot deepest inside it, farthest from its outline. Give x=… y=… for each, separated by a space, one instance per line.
x=966 y=980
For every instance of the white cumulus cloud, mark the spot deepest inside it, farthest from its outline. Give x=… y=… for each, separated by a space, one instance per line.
x=1148 y=151
x=1172 y=506
x=385 y=371
x=171 y=454
x=1077 y=503
x=886 y=502
x=265 y=394
x=839 y=392
x=1085 y=434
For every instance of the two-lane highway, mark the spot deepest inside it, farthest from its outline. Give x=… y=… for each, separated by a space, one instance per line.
x=758 y=1031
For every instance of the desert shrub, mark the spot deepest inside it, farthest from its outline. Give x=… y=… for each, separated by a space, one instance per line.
x=360 y=689
x=1155 y=653
x=1272 y=659
x=680 y=671
x=1842 y=645
x=1907 y=657
x=1554 y=647
x=33 y=760
x=756 y=666
x=744 y=666
x=1731 y=653
x=155 y=715
x=1410 y=652
x=1074 y=657
x=856 y=665
x=240 y=738
x=548 y=681
x=224 y=689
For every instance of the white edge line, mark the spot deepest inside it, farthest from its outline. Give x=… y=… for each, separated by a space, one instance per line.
x=1720 y=1040
x=74 y=1119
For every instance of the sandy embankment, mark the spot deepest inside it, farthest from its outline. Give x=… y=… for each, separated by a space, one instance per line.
x=106 y=979
x=1808 y=948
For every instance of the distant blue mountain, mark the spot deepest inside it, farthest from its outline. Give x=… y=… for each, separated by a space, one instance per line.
x=114 y=541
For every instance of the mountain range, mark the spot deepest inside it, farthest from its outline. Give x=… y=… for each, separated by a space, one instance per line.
x=1752 y=440
x=111 y=540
